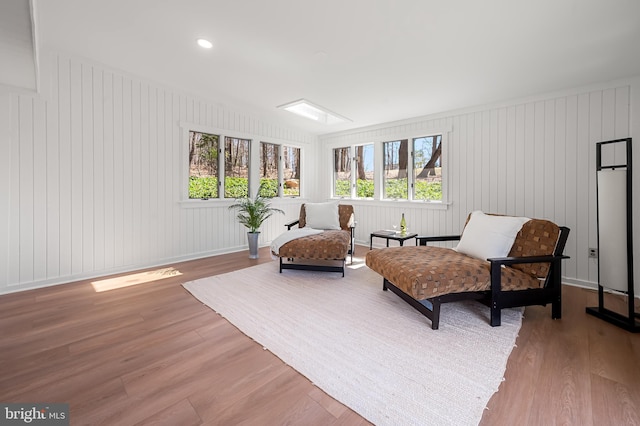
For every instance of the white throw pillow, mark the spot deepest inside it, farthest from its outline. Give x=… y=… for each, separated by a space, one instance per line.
x=322 y=215
x=487 y=236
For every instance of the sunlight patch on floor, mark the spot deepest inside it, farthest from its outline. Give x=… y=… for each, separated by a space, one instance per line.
x=357 y=263
x=134 y=279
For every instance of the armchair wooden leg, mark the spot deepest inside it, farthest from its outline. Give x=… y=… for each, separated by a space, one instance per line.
x=496 y=317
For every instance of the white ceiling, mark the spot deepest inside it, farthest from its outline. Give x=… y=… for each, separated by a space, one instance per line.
x=372 y=61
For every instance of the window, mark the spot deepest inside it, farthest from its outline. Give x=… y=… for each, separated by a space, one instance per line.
x=364 y=167
x=271 y=162
x=354 y=179
x=236 y=167
x=291 y=174
x=409 y=169
x=342 y=172
x=203 y=165
x=269 y=169
x=427 y=168
x=220 y=165
x=394 y=177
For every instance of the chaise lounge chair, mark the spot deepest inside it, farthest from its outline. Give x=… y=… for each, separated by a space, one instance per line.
x=326 y=237
x=525 y=272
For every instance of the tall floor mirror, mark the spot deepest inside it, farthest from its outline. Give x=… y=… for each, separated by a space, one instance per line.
x=615 y=237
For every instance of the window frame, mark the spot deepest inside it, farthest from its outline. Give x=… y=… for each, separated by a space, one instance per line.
x=182 y=184
x=280 y=165
x=378 y=143
x=333 y=171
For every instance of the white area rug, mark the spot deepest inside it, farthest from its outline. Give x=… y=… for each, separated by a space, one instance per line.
x=367 y=348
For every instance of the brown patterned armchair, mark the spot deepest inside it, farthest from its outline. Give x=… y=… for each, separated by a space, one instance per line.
x=427 y=276
x=322 y=251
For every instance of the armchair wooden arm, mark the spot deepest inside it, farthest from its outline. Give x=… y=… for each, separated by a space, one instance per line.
x=422 y=240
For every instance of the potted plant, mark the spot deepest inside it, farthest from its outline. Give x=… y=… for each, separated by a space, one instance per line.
x=251 y=213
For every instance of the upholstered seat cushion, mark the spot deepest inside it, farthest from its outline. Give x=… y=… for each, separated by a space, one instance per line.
x=328 y=245
x=424 y=272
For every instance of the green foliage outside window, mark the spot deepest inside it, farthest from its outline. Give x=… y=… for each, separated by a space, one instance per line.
x=429 y=191
x=343 y=188
x=268 y=188
x=236 y=187
x=207 y=187
x=396 y=188
x=203 y=187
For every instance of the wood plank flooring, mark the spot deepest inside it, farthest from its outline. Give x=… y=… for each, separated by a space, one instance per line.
x=150 y=353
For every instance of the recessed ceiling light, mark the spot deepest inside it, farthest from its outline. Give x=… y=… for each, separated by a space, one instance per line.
x=204 y=43
x=314 y=112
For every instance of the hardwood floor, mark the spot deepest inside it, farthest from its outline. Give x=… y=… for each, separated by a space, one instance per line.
x=150 y=353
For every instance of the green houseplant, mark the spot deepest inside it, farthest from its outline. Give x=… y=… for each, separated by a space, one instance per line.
x=252 y=212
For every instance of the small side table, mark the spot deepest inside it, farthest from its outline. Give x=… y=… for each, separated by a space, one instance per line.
x=390 y=235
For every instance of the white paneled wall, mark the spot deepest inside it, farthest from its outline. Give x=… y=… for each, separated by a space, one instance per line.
x=90 y=177
x=533 y=159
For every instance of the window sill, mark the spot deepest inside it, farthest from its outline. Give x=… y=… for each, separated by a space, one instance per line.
x=197 y=203
x=432 y=205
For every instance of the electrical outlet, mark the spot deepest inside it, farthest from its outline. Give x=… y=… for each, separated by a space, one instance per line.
x=593 y=253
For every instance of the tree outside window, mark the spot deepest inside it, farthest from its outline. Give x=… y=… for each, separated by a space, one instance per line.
x=273 y=159
x=427 y=168
x=236 y=167
x=203 y=165
x=269 y=166
x=395 y=177
x=342 y=172
x=291 y=171
x=364 y=166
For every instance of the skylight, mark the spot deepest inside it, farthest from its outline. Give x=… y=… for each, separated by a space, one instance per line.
x=314 y=112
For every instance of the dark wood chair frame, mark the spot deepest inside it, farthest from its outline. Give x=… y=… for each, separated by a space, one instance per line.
x=495 y=298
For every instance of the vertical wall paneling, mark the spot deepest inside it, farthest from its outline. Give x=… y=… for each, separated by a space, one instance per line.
x=75 y=193
x=533 y=158
x=5 y=186
x=90 y=174
x=52 y=200
x=571 y=185
x=98 y=164
x=510 y=161
x=558 y=171
x=538 y=159
x=62 y=93
x=125 y=167
x=500 y=161
x=115 y=136
x=13 y=255
x=519 y=161
x=595 y=135
x=548 y=178
x=26 y=189
x=486 y=164
x=87 y=167
x=109 y=179
x=40 y=184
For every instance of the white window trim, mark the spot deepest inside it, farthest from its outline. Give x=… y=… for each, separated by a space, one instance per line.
x=379 y=167
x=254 y=161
